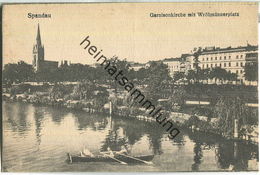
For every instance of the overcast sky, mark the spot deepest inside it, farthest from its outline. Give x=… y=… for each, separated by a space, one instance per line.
x=125 y=30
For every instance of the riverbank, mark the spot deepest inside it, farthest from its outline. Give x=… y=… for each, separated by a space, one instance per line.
x=194 y=122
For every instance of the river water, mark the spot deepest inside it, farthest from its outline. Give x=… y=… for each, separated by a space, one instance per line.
x=37 y=138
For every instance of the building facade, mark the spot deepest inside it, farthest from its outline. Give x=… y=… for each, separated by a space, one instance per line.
x=39 y=63
x=174 y=65
x=231 y=59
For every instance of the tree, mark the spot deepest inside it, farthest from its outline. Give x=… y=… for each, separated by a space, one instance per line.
x=83 y=91
x=141 y=75
x=19 y=72
x=218 y=74
x=158 y=80
x=251 y=72
x=191 y=76
x=231 y=76
x=196 y=59
x=178 y=76
x=177 y=97
x=204 y=74
x=228 y=109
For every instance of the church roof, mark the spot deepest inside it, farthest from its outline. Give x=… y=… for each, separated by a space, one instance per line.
x=38 y=37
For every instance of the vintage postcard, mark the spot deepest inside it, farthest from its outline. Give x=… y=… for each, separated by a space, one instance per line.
x=130 y=87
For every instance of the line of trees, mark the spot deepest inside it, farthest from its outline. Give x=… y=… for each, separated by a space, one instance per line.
x=157 y=71
x=204 y=75
x=251 y=72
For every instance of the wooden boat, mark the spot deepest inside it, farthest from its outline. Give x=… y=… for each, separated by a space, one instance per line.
x=104 y=158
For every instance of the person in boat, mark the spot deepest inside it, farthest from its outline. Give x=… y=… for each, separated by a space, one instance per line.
x=123 y=150
x=86 y=153
x=110 y=152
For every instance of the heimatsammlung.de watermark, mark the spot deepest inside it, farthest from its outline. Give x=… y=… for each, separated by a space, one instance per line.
x=122 y=80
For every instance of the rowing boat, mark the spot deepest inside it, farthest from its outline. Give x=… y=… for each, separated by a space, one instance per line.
x=103 y=158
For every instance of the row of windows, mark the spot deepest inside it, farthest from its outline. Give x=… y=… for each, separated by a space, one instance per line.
x=237 y=71
x=220 y=58
x=173 y=67
x=241 y=71
x=220 y=65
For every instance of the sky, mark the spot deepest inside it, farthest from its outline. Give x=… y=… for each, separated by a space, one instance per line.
x=124 y=29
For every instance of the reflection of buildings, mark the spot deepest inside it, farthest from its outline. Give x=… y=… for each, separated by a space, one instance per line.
x=39 y=64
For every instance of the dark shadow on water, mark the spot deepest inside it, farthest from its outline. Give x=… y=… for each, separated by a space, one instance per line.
x=94 y=121
x=16 y=115
x=231 y=155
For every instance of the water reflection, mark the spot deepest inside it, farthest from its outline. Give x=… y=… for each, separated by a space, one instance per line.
x=95 y=122
x=197 y=156
x=38 y=117
x=17 y=115
x=235 y=155
x=189 y=151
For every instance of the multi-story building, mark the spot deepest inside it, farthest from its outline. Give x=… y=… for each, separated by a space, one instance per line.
x=231 y=59
x=174 y=65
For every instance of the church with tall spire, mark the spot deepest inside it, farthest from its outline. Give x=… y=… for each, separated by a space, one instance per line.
x=39 y=63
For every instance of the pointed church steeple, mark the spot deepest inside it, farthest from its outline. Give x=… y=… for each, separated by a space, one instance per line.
x=38 y=38
x=38 y=52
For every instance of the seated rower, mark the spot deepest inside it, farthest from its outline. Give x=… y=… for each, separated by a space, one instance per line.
x=123 y=150
x=86 y=153
x=110 y=152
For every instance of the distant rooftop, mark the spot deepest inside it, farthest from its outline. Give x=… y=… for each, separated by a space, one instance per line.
x=172 y=59
x=213 y=49
x=136 y=64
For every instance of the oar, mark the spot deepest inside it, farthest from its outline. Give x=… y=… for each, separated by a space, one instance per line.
x=150 y=163
x=124 y=163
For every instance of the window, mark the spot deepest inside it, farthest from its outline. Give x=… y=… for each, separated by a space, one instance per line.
x=211 y=58
x=220 y=58
x=202 y=66
x=229 y=64
x=211 y=65
x=241 y=64
x=216 y=65
x=202 y=59
x=207 y=65
x=225 y=57
x=237 y=64
x=237 y=56
x=216 y=58
x=220 y=65
x=207 y=58
x=224 y=64
x=229 y=57
x=236 y=71
x=241 y=71
x=241 y=56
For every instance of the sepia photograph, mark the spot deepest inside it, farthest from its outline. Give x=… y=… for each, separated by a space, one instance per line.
x=130 y=87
